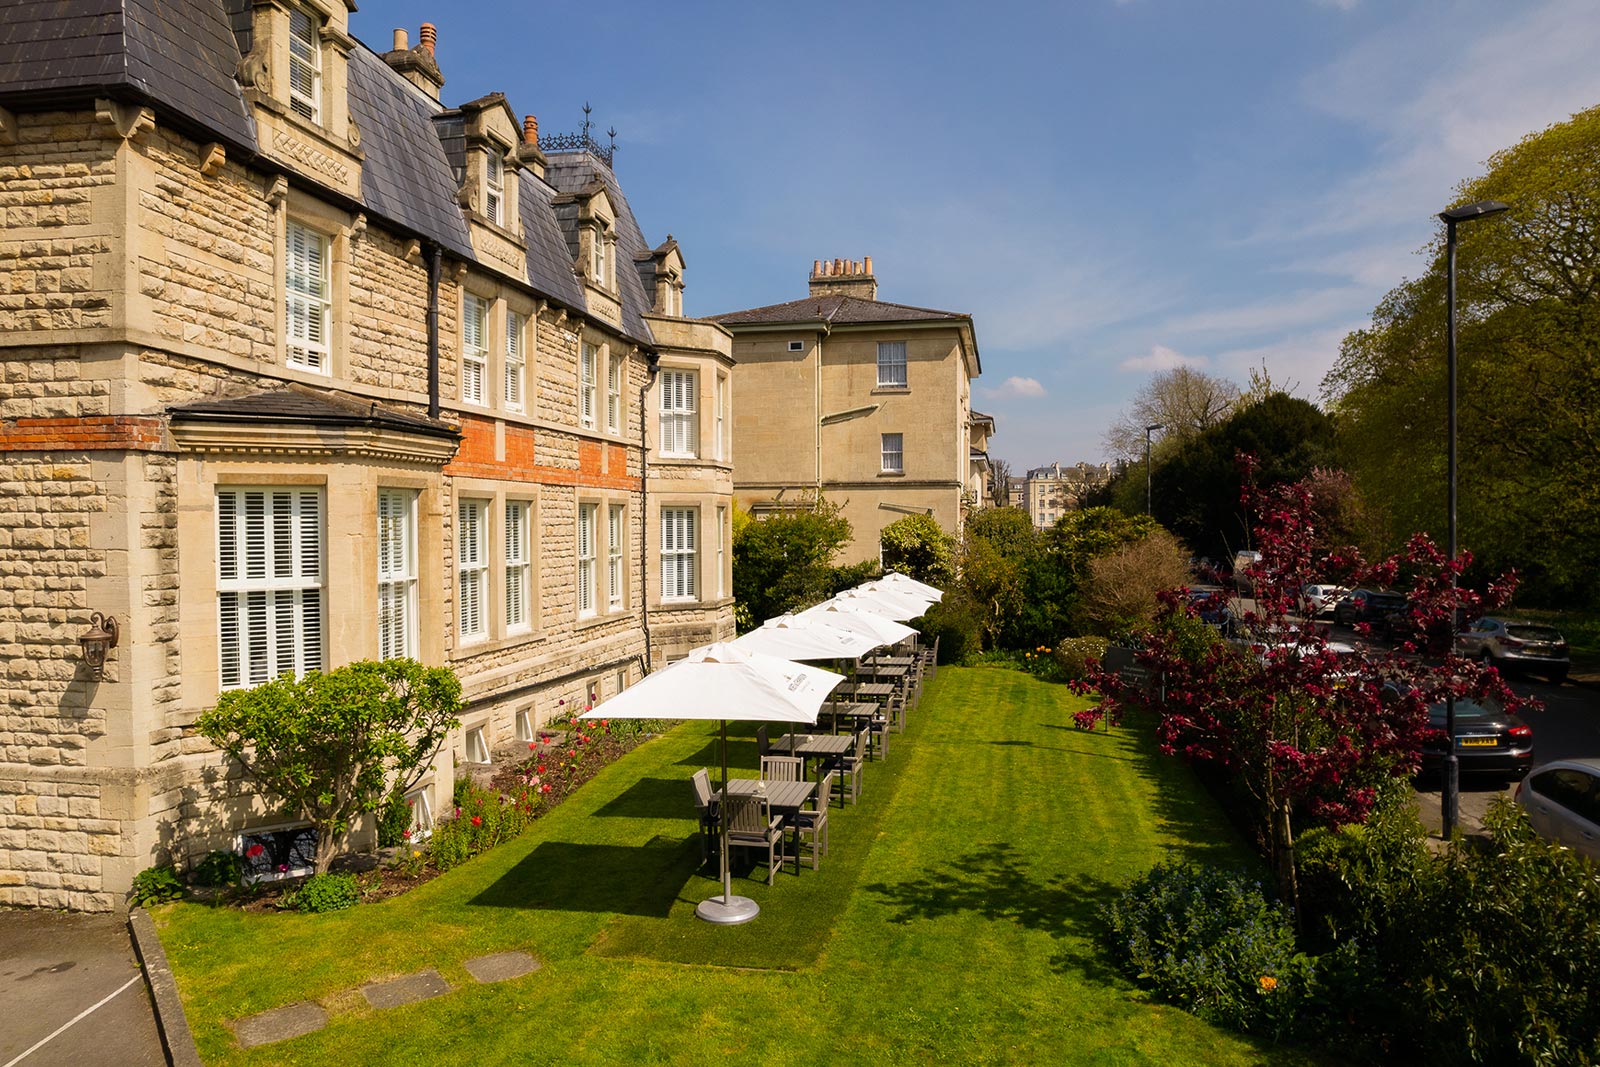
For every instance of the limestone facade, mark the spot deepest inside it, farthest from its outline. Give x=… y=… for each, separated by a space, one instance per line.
x=166 y=411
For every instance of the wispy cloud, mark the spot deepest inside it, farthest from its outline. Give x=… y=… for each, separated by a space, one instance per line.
x=1016 y=386
x=1304 y=308
x=1161 y=358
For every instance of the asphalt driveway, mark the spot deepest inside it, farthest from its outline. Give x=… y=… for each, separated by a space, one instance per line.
x=76 y=974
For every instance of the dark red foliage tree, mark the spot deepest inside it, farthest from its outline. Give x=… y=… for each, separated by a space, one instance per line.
x=1307 y=728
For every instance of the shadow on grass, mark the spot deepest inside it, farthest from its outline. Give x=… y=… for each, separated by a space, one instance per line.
x=652 y=798
x=620 y=879
x=995 y=882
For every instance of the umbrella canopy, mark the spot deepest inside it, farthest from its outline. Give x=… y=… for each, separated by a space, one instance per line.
x=723 y=682
x=793 y=637
x=867 y=623
x=897 y=581
x=883 y=602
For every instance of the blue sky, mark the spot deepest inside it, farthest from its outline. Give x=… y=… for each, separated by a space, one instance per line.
x=1110 y=187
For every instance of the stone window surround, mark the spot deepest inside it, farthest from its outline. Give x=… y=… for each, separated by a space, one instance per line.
x=484 y=569
x=270 y=31
x=486 y=348
x=480 y=146
x=595 y=423
x=496 y=494
x=602 y=500
x=317 y=215
x=501 y=299
x=702 y=411
x=704 y=582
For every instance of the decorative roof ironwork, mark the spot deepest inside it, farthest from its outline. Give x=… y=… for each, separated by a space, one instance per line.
x=582 y=141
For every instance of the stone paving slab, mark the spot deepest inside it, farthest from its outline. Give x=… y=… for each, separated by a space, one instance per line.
x=280 y=1024
x=406 y=990
x=502 y=966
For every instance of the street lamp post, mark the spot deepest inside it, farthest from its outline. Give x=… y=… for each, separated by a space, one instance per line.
x=1147 y=431
x=1450 y=800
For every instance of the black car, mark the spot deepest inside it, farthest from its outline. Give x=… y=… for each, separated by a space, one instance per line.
x=1211 y=604
x=1368 y=605
x=1486 y=739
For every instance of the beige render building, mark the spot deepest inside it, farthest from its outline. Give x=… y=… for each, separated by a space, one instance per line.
x=1050 y=492
x=868 y=402
x=299 y=366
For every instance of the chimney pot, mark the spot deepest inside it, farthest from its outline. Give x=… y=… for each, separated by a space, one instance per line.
x=869 y=264
x=816 y=266
x=429 y=36
x=402 y=41
x=530 y=129
x=838 y=265
x=857 y=265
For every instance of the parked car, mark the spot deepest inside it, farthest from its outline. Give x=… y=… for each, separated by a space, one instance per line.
x=1211 y=603
x=1562 y=800
x=1368 y=605
x=1319 y=600
x=1526 y=646
x=1486 y=739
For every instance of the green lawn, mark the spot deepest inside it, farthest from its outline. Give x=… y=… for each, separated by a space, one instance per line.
x=952 y=922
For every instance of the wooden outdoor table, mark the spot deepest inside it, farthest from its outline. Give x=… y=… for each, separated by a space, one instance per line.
x=868 y=690
x=879 y=670
x=785 y=798
x=814 y=746
x=890 y=661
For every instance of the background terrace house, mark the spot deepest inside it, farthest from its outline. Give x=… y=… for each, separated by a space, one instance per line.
x=1050 y=492
x=301 y=367
x=868 y=402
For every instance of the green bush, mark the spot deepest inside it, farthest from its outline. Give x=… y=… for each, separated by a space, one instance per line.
x=1073 y=654
x=1209 y=941
x=394 y=819
x=955 y=622
x=482 y=819
x=325 y=892
x=156 y=885
x=219 y=869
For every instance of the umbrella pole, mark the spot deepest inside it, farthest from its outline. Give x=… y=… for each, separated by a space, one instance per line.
x=729 y=910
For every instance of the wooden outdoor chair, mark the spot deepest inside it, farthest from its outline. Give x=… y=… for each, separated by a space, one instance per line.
x=848 y=783
x=751 y=824
x=811 y=826
x=880 y=725
x=763 y=746
x=782 y=768
x=706 y=809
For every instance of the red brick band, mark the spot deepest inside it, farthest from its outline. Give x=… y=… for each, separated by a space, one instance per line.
x=83 y=433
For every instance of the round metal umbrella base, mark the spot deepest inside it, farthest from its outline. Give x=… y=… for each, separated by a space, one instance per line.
x=727 y=911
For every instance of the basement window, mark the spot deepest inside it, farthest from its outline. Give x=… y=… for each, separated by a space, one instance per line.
x=477 y=750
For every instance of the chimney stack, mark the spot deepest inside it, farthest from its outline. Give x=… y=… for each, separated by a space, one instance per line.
x=530 y=130
x=846 y=277
x=417 y=65
x=528 y=151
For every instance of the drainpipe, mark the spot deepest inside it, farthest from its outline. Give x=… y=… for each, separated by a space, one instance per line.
x=653 y=360
x=435 y=269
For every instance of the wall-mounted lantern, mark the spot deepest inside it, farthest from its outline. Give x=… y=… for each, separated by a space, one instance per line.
x=100 y=639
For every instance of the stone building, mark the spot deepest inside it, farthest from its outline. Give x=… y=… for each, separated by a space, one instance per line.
x=866 y=401
x=1050 y=492
x=300 y=366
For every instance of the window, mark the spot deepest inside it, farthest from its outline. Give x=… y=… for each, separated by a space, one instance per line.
x=679 y=424
x=517 y=583
x=472 y=569
x=597 y=258
x=308 y=307
x=616 y=538
x=894 y=453
x=586 y=521
x=493 y=185
x=677 y=553
x=305 y=65
x=515 y=364
x=474 y=347
x=797 y=346
x=722 y=525
x=720 y=416
x=614 y=372
x=421 y=814
x=269 y=584
x=588 y=358
x=477 y=746
x=397 y=574
x=525 y=725
x=892 y=364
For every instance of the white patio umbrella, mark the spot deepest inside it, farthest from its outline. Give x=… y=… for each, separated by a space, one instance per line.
x=889 y=604
x=798 y=638
x=723 y=682
x=868 y=623
x=898 y=581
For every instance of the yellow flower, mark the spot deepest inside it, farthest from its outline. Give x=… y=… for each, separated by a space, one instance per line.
x=1268 y=983
x=415 y=853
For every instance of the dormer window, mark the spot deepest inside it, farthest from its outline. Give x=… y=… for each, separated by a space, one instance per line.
x=494 y=187
x=305 y=65
x=597 y=258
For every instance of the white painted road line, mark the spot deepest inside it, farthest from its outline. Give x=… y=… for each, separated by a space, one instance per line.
x=64 y=1027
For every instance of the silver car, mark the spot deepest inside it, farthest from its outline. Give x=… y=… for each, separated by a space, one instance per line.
x=1562 y=800
x=1504 y=643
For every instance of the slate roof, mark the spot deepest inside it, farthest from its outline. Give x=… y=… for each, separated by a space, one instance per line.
x=299 y=403
x=406 y=176
x=549 y=260
x=834 y=309
x=572 y=172
x=180 y=54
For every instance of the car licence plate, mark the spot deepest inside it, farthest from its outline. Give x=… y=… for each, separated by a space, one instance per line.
x=1479 y=742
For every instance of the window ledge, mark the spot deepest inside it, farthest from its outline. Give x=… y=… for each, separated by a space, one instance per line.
x=600 y=618
x=891 y=474
x=481 y=645
x=890 y=389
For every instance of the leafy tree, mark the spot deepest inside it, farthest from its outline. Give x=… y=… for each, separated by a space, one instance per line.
x=1184 y=401
x=1529 y=310
x=331 y=745
x=917 y=546
x=1308 y=735
x=1121 y=591
x=784 y=562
